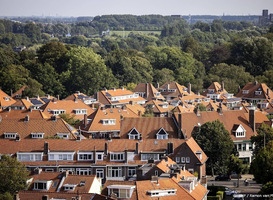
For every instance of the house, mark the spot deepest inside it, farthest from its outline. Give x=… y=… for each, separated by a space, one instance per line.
x=168 y=188
x=118 y=97
x=21 y=114
x=136 y=108
x=159 y=108
x=17 y=129
x=215 y=91
x=5 y=100
x=148 y=92
x=115 y=159
x=81 y=96
x=74 y=108
x=63 y=182
x=21 y=104
x=104 y=123
x=19 y=94
x=240 y=127
x=255 y=92
x=38 y=102
x=171 y=90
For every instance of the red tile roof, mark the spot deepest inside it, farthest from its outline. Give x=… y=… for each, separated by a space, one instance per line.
x=266 y=92
x=142 y=87
x=5 y=100
x=21 y=114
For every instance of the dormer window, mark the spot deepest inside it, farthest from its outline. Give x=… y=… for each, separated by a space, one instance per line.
x=210 y=90
x=10 y=135
x=122 y=191
x=240 y=131
x=160 y=193
x=171 y=90
x=258 y=93
x=57 y=112
x=69 y=187
x=199 y=154
x=37 y=135
x=117 y=156
x=6 y=98
x=42 y=185
x=80 y=111
x=63 y=135
x=157 y=94
x=245 y=91
x=162 y=134
x=134 y=134
x=108 y=121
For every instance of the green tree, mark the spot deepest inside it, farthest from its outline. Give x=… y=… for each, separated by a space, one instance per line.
x=200 y=107
x=87 y=72
x=264 y=136
x=70 y=119
x=190 y=45
x=6 y=196
x=33 y=32
x=162 y=76
x=267 y=188
x=262 y=165
x=216 y=143
x=131 y=86
x=235 y=165
x=13 y=175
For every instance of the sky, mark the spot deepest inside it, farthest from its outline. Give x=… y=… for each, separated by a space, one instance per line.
x=77 y=8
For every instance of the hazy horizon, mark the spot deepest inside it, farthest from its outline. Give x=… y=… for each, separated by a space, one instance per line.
x=69 y=8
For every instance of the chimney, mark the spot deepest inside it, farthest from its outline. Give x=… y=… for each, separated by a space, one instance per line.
x=252 y=119
x=157 y=85
x=168 y=86
x=268 y=92
x=222 y=86
x=46 y=148
x=85 y=120
x=256 y=83
x=79 y=138
x=78 y=92
x=47 y=96
x=11 y=93
x=169 y=148
x=94 y=155
x=37 y=171
x=189 y=88
x=30 y=109
x=179 y=126
x=8 y=109
x=220 y=109
x=147 y=90
x=53 y=118
x=79 y=197
x=126 y=156
x=17 y=138
x=26 y=118
x=137 y=148
x=65 y=174
x=16 y=197
x=58 y=97
x=45 y=197
x=139 y=113
x=106 y=148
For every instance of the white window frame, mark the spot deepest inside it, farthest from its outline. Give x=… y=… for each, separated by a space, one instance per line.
x=108 y=121
x=117 y=156
x=66 y=156
x=83 y=171
x=10 y=135
x=45 y=183
x=148 y=156
x=32 y=156
x=133 y=136
x=63 y=135
x=100 y=173
x=183 y=159
x=85 y=156
x=37 y=135
x=177 y=159
x=114 y=171
x=160 y=136
x=97 y=155
x=188 y=159
x=69 y=187
x=245 y=91
x=131 y=171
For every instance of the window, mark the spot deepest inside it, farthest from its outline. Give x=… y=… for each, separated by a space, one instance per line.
x=149 y=156
x=187 y=159
x=183 y=159
x=29 y=156
x=250 y=146
x=244 y=146
x=258 y=92
x=134 y=134
x=114 y=172
x=83 y=171
x=240 y=134
x=108 y=121
x=60 y=156
x=42 y=185
x=99 y=156
x=10 y=135
x=245 y=92
x=158 y=193
x=85 y=156
x=239 y=147
x=100 y=173
x=121 y=193
x=63 y=135
x=131 y=171
x=161 y=134
x=177 y=159
x=57 y=112
x=69 y=187
x=199 y=154
x=117 y=156
x=37 y=135
x=80 y=111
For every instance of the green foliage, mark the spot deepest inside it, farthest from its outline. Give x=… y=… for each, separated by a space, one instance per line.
x=262 y=165
x=13 y=175
x=70 y=119
x=200 y=107
x=6 y=196
x=264 y=132
x=215 y=141
x=148 y=112
x=267 y=188
x=235 y=165
x=131 y=86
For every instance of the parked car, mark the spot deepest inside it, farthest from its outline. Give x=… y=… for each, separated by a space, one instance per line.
x=222 y=177
x=230 y=192
x=234 y=175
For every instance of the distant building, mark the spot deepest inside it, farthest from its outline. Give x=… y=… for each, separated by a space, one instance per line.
x=265 y=18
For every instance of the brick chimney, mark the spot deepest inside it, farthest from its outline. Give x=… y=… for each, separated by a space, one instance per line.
x=252 y=119
x=222 y=86
x=179 y=126
x=46 y=148
x=146 y=90
x=189 y=88
x=85 y=120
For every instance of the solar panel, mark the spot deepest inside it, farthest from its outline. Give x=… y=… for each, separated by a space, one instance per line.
x=115 y=101
x=82 y=96
x=46 y=100
x=36 y=102
x=107 y=94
